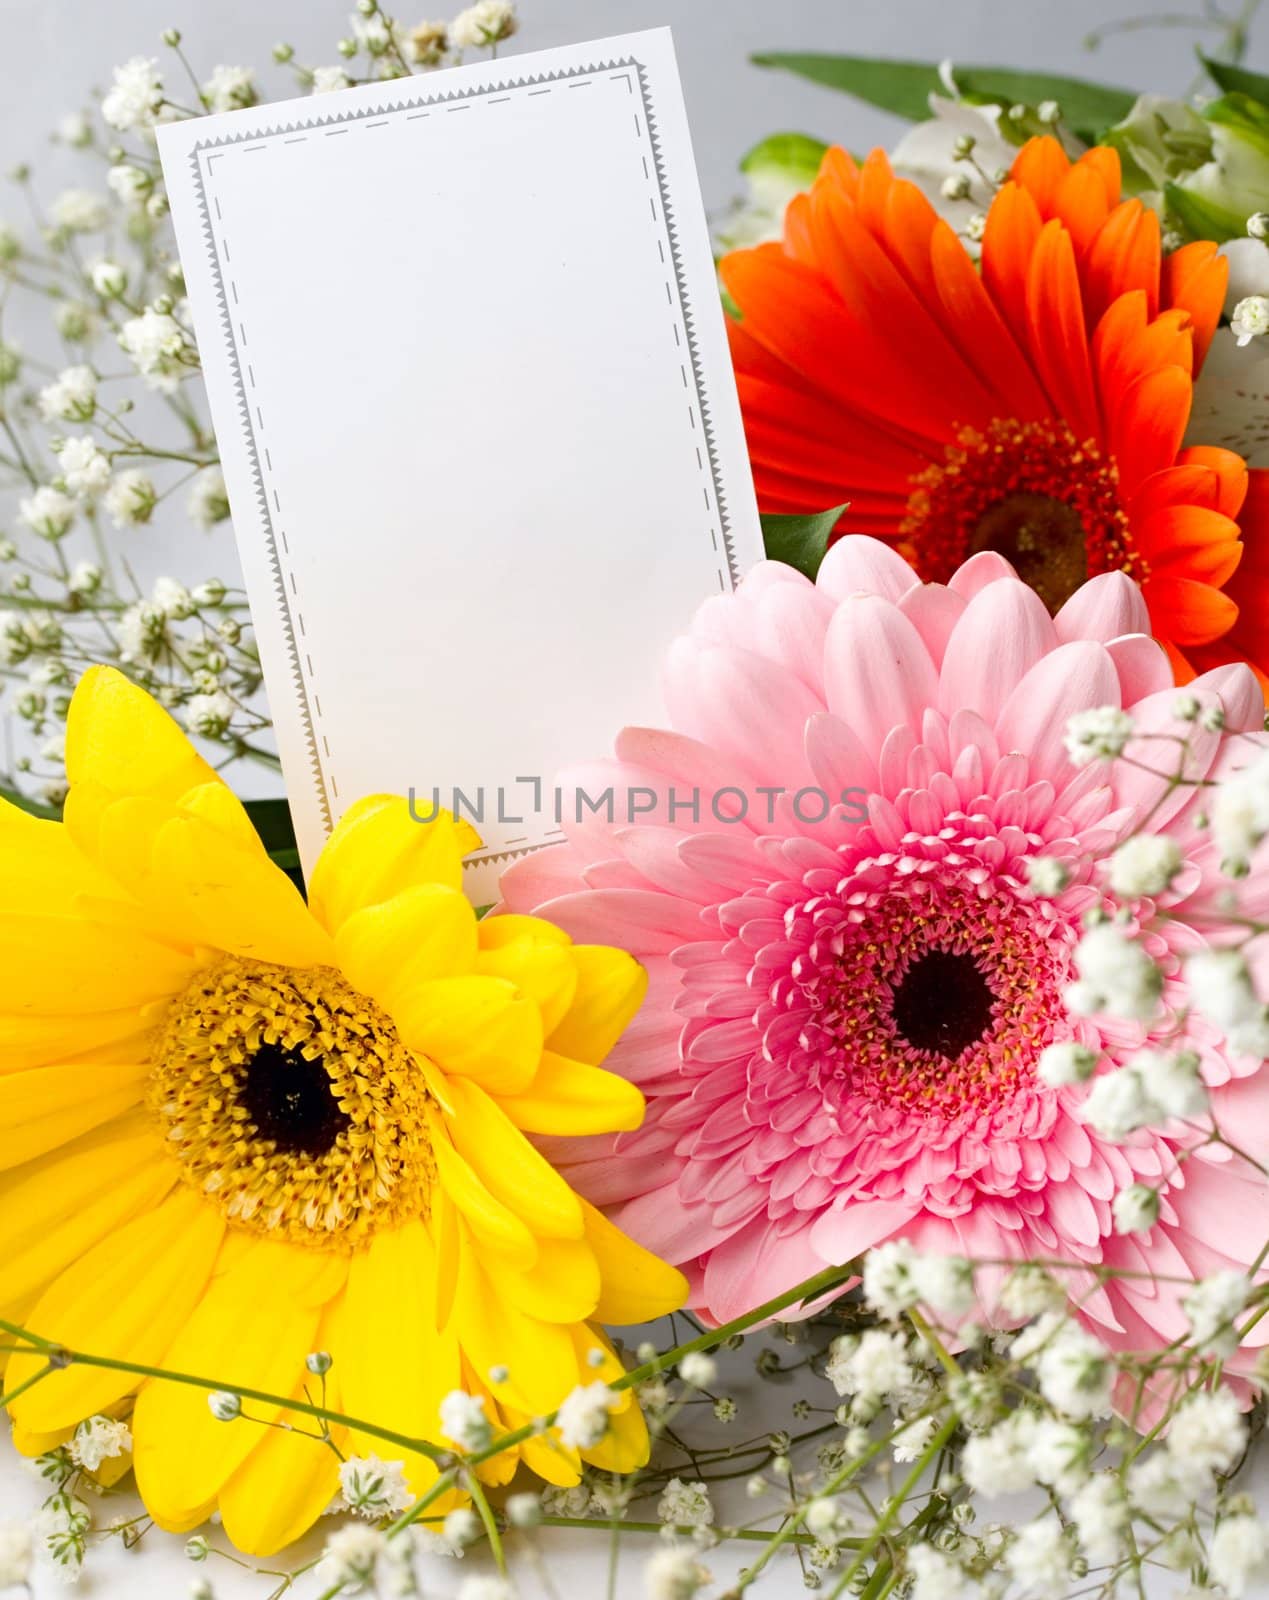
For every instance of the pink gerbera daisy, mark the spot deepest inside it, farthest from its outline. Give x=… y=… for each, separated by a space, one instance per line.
x=851 y=984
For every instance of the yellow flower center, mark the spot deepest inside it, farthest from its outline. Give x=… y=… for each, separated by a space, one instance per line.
x=290 y=1101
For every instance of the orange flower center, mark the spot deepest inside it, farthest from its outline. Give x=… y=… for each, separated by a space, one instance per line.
x=1031 y=491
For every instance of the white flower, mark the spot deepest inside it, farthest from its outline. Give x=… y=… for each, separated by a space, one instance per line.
x=999 y=1461
x=328 y=79
x=71 y=397
x=483 y=24
x=1240 y=813
x=1207 y=1435
x=1117 y=976
x=583 y=1417
x=208 y=502
x=97 y=1439
x=1073 y=1371
x=1171 y=1080
x=698 y=1370
x=685 y=1505
x=1097 y=735
x=1221 y=988
x=158 y=347
x=1029 y=1291
x=15 y=1554
x=1250 y=319
x=48 y=512
x=131 y=186
x=1100 y=1514
x=932 y=152
x=912 y=1439
x=936 y=1576
x=134 y=98
x=944 y=1283
x=210 y=715
x=348 y=1561
x=1047 y=876
x=230 y=88
x=871 y=1366
x=373 y=1488
x=674 y=1574
x=460 y=1528
x=142 y=632
x=1040 y=1557
x=1060 y=1453
x=131 y=498
x=75 y=130
x=108 y=278
x=1212 y=1306
x=524 y=1510
x=1118 y=1104
x=62 y=1526
x=224 y=1405
x=1136 y=1208
x=887 y=1278
x=85 y=469
x=86 y=578
x=1238 y=1552
x=172 y=598
x=1066 y=1062
x=463 y=1420
x=1144 y=864
x=80 y=211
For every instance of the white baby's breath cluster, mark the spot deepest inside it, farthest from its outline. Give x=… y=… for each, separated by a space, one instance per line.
x=107 y=441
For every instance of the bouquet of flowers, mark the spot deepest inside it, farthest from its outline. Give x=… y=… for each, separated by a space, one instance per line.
x=939 y=1073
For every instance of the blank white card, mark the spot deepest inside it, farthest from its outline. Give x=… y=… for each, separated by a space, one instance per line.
x=469 y=376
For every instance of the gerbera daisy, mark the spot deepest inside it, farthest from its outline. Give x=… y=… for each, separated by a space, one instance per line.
x=239 y=1129
x=852 y=982
x=1035 y=407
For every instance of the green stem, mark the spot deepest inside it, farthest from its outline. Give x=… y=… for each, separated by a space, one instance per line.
x=30 y=1383
x=481 y=1501
x=892 y=1509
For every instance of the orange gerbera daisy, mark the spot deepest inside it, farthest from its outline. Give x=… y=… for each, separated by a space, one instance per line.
x=1035 y=407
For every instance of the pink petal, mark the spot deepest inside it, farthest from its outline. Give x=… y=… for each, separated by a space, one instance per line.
x=1103 y=608
x=1074 y=677
x=859 y=565
x=877 y=670
x=1004 y=630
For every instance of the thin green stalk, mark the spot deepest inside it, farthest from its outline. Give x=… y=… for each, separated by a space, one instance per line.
x=892 y=1509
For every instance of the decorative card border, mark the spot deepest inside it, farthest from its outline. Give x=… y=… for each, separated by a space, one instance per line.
x=203 y=158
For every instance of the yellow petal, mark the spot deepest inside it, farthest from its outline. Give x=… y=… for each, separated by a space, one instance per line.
x=480 y=1028
x=49 y=1106
x=378 y=850
x=125 y=1299
x=38 y=1041
x=40 y=864
x=252 y=1328
x=51 y=964
x=534 y=955
x=236 y=899
x=509 y=1166
x=569 y=1097
x=610 y=989
x=625 y=1447
x=539 y=1356
x=395 y=1365
x=638 y=1286
x=496 y=1226
x=289 y=1479
x=55 y=1210
x=387 y=950
x=120 y=738
x=561 y=1286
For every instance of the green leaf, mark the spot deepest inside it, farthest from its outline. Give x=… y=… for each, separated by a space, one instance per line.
x=799 y=541
x=272 y=821
x=1237 y=80
x=31 y=807
x=795 y=156
x=905 y=86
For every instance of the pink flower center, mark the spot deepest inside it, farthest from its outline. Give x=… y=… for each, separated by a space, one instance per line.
x=923 y=998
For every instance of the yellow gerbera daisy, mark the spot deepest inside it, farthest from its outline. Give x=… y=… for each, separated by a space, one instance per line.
x=237 y=1129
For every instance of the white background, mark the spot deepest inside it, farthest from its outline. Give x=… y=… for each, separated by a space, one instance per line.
x=56 y=50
